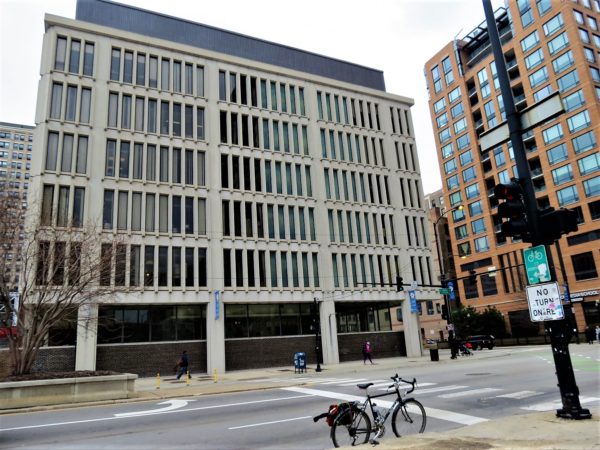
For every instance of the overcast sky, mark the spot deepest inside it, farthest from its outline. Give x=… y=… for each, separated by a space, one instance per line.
x=396 y=36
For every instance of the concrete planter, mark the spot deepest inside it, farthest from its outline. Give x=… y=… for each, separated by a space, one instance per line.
x=24 y=394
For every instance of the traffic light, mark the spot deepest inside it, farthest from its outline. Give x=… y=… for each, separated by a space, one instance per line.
x=555 y=223
x=513 y=209
x=399 y=286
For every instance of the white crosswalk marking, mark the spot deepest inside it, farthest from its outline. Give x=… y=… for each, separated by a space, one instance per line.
x=354 y=384
x=439 y=389
x=403 y=386
x=470 y=392
x=441 y=414
x=549 y=406
x=520 y=395
x=349 y=381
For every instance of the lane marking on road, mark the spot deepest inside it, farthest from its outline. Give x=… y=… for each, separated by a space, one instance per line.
x=435 y=413
x=470 y=392
x=520 y=395
x=199 y=408
x=549 y=406
x=174 y=404
x=269 y=423
x=452 y=387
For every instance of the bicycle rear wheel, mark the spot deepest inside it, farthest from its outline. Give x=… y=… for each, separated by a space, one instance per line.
x=351 y=428
x=409 y=418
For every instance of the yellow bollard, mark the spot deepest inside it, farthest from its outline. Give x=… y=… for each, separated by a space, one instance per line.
x=215 y=375
x=157 y=380
x=187 y=377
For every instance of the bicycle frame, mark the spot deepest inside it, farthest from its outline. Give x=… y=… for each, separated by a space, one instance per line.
x=397 y=402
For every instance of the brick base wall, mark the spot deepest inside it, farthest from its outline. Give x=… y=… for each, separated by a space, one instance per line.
x=49 y=359
x=385 y=345
x=271 y=352
x=149 y=358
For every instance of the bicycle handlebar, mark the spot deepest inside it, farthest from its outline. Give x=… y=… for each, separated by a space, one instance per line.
x=397 y=380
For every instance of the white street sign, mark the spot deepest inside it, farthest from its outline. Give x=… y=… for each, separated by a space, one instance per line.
x=414 y=284
x=544 y=302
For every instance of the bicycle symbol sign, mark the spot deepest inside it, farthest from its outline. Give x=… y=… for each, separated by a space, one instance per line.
x=536 y=264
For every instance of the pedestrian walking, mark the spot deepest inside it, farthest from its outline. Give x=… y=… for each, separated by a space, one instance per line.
x=598 y=333
x=453 y=347
x=183 y=364
x=589 y=335
x=366 y=351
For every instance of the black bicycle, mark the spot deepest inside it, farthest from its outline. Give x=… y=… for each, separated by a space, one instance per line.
x=353 y=425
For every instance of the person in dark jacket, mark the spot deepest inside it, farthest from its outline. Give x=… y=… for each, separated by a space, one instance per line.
x=183 y=364
x=590 y=335
x=366 y=351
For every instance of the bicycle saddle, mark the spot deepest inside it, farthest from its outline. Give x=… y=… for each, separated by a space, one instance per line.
x=364 y=385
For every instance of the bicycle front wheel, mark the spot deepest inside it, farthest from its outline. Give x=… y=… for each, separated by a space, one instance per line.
x=351 y=428
x=409 y=418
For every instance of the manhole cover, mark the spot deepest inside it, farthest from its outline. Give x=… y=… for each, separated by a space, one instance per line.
x=477 y=374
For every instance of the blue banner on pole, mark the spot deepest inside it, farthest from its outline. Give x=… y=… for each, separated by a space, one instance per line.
x=412 y=295
x=451 y=289
x=217 y=305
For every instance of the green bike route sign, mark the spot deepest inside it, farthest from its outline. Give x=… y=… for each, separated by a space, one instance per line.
x=536 y=264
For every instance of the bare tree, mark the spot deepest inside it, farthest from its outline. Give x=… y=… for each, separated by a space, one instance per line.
x=61 y=269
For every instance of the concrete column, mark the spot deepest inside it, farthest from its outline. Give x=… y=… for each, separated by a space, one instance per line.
x=215 y=335
x=412 y=330
x=87 y=333
x=329 y=332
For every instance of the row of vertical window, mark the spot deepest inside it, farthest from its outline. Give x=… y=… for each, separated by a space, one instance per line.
x=247 y=219
x=162 y=73
x=149 y=162
x=405 y=156
x=351 y=147
x=15 y=146
x=67 y=153
x=245 y=90
x=75 y=106
x=376 y=186
x=62 y=206
x=409 y=195
x=247 y=174
x=399 y=125
x=16 y=136
x=173 y=119
x=149 y=212
x=152 y=266
x=348 y=226
x=436 y=75
x=359 y=113
x=75 y=63
x=250 y=268
x=243 y=129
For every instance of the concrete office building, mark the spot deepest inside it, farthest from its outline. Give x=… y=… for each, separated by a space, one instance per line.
x=16 y=145
x=247 y=179
x=549 y=47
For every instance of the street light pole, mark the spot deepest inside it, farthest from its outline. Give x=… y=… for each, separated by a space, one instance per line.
x=441 y=266
x=317 y=334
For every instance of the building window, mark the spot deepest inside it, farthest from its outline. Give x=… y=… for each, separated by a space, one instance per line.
x=481 y=244
x=579 y=121
x=558 y=43
x=568 y=81
x=562 y=175
x=61 y=53
x=567 y=196
x=584 y=266
x=538 y=77
x=584 y=142
x=574 y=101
x=591 y=187
x=557 y=154
x=530 y=41
x=589 y=164
x=552 y=134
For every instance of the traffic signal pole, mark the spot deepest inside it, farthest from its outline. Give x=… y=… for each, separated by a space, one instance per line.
x=558 y=330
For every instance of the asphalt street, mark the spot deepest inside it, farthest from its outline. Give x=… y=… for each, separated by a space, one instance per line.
x=515 y=381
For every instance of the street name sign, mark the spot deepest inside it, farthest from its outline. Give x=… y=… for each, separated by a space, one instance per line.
x=536 y=264
x=444 y=291
x=544 y=302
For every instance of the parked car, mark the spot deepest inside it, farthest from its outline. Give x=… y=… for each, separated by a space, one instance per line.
x=481 y=340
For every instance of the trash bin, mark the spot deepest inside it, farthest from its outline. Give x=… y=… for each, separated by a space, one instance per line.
x=434 y=354
x=299 y=362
